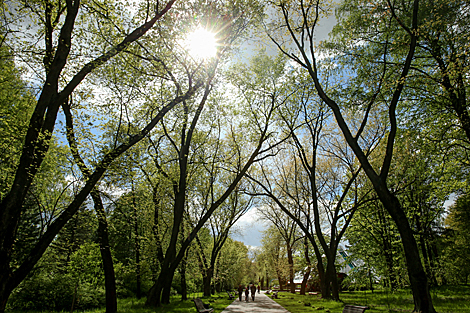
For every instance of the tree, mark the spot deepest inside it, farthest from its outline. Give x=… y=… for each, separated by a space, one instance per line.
x=299 y=21
x=221 y=223
x=374 y=246
x=313 y=180
x=287 y=230
x=456 y=255
x=232 y=263
x=16 y=105
x=275 y=256
x=103 y=237
x=59 y=81
x=260 y=113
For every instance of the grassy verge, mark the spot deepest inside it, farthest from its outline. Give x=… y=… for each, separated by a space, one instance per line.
x=449 y=299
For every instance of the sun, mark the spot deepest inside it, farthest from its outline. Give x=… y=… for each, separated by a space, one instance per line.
x=201 y=44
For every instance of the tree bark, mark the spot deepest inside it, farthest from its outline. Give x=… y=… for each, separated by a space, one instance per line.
x=207 y=280
x=108 y=266
x=307 y=271
x=290 y=260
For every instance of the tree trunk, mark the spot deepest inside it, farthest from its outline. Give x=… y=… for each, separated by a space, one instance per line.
x=307 y=271
x=207 y=279
x=417 y=275
x=303 y=288
x=387 y=249
x=332 y=279
x=108 y=266
x=5 y=290
x=323 y=281
x=138 y=277
x=154 y=295
x=166 y=291
x=389 y=263
x=290 y=260
x=184 y=287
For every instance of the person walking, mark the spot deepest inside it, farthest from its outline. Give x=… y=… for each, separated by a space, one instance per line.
x=259 y=288
x=253 y=291
x=240 y=292
x=246 y=294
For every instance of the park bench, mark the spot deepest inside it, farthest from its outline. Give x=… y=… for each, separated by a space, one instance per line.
x=354 y=309
x=201 y=307
x=230 y=295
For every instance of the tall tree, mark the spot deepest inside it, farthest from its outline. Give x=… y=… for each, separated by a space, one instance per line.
x=220 y=225
x=314 y=179
x=61 y=74
x=288 y=231
x=239 y=160
x=298 y=21
x=274 y=255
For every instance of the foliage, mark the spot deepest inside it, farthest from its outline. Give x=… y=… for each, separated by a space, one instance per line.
x=58 y=285
x=455 y=262
x=16 y=105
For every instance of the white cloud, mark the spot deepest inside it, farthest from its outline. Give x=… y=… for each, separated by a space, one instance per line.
x=249 y=229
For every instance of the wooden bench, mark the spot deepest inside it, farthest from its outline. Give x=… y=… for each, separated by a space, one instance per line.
x=354 y=309
x=230 y=295
x=201 y=307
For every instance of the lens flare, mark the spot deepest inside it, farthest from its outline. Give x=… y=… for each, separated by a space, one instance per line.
x=201 y=44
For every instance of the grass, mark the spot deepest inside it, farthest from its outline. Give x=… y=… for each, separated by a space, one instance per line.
x=131 y=305
x=218 y=302
x=449 y=299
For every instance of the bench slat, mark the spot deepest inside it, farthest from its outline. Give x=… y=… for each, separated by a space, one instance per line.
x=354 y=309
x=200 y=306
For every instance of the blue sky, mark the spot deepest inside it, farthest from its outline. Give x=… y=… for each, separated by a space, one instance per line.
x=250 y=227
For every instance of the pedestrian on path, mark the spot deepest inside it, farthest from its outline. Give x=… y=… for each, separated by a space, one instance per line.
x=263 y=304
x=253 y=291
x=240 y=292
x=246 y=294
x=259 y=288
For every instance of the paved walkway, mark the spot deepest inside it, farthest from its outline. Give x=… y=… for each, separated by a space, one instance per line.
x=262 y=304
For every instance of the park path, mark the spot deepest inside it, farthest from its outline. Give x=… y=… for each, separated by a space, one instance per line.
x=262 y=304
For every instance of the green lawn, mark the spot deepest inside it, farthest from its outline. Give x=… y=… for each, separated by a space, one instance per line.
x=219 y=302
x=450 y=299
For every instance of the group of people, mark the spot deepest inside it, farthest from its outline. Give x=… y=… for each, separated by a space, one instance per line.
x=249 y=288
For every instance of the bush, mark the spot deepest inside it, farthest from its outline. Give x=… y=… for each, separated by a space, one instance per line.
x=41 y=292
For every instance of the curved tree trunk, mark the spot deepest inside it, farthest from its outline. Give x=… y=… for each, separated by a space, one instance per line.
x=305 y=280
